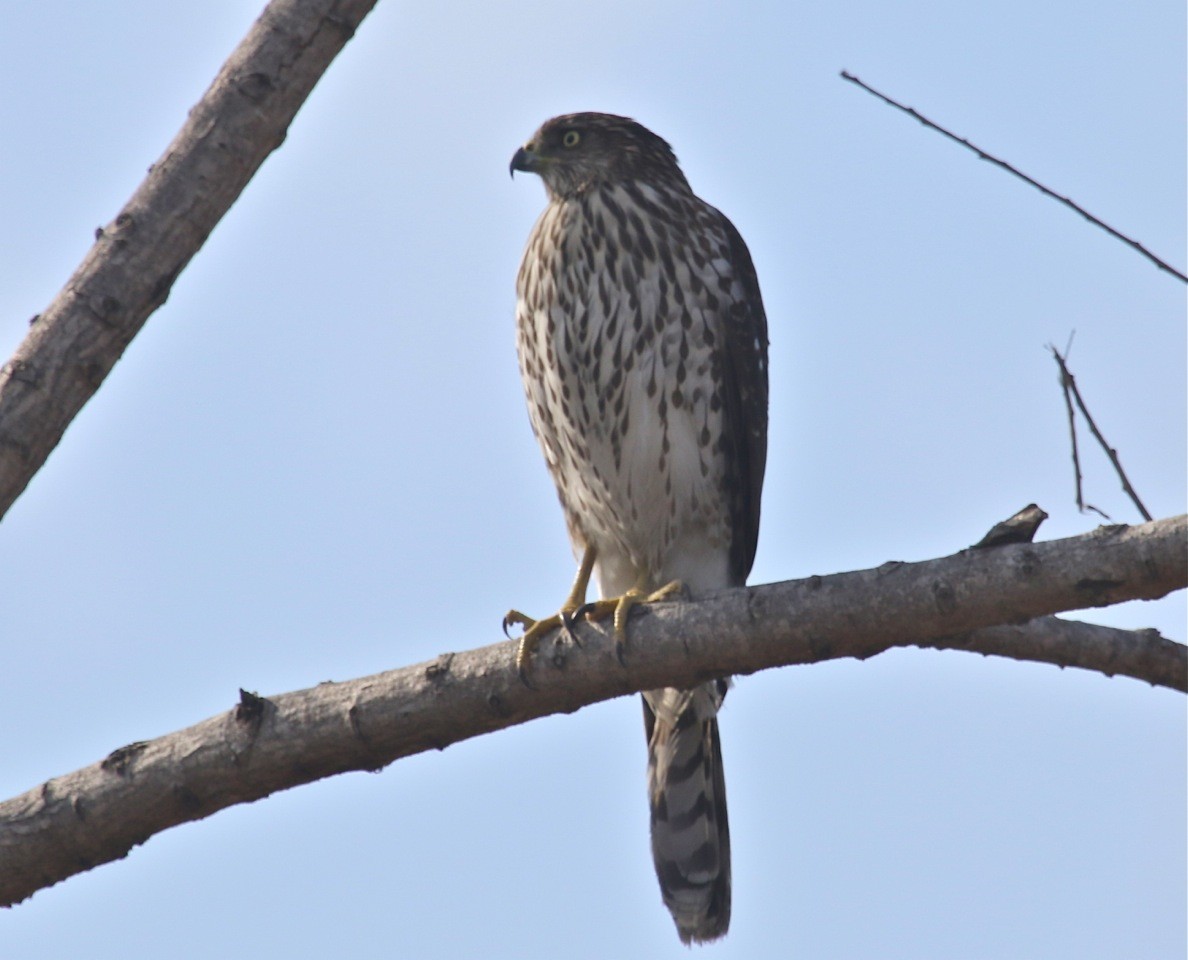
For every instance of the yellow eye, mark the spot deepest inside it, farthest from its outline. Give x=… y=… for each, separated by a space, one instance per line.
x=571 y=139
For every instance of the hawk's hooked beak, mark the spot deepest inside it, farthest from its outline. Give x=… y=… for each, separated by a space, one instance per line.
x=525 y=160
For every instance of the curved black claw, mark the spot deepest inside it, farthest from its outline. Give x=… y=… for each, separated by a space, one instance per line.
x=514 y=616
x=569 y=621
x=586 y=608
x=525 y=676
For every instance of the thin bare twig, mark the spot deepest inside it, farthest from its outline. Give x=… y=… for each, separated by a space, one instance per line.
x=1072 y=435
x=1161 y=264
x=1069 y=384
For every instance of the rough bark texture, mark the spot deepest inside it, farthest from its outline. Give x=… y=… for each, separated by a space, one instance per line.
x=129 y=271
x=978 y=600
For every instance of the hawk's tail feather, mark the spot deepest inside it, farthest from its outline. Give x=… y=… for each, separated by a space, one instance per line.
x=687 y=795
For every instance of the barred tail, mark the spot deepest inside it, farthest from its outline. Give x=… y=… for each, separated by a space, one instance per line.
x=687 y=794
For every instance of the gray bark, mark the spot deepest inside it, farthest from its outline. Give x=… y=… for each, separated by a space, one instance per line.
x=136 y=258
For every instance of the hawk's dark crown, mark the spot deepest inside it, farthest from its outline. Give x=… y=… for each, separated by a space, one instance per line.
x=576 y=151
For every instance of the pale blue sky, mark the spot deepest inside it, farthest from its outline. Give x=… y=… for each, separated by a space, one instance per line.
x=262 y=496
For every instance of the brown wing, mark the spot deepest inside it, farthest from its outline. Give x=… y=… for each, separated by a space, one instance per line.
x=744 y=379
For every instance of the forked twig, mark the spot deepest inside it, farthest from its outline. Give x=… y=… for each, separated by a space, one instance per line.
x=1161 y=264
x=1068 y=384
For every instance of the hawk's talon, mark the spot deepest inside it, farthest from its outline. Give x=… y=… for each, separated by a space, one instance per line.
x=564 y=618
x=568 y=622
x=535 y=632
x=674 y=588
x=581 y=613
x=514 y=616
x=575 y=608
x=619 y=610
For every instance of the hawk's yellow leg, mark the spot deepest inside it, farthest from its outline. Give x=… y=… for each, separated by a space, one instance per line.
x=575 y=605
x=620 y=609
x=534 y=630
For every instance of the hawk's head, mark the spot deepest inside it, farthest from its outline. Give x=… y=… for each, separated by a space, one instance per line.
x=580 y=150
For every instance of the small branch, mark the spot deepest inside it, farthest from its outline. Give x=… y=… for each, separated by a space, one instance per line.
x=1091 y=646
x=1161 y=264
x=131 y=269
x=1019 y=528
x=1069 y=384
x=74 y=822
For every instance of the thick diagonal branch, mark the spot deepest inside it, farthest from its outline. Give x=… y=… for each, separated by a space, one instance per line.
x=979 y=600
x=136 y=258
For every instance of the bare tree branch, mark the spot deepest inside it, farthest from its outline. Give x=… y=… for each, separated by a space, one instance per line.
x=912 y=112
x=978 y=600
x=1143 y=654
x=136 y=258
x=1069 y=384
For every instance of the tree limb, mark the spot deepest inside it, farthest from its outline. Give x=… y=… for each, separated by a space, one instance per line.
x=978 y=600
x=1142 y=654
x=136 y=258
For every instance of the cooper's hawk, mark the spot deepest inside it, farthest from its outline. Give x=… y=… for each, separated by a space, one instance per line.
x=643 y=350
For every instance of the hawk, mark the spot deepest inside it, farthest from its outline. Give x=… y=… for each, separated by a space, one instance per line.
x=642 y=344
